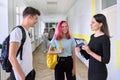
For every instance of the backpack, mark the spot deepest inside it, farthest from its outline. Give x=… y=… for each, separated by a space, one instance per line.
x=5 y=63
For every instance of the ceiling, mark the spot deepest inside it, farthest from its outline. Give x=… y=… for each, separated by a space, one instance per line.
x=51 y=7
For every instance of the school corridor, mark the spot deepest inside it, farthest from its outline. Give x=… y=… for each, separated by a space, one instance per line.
x=78 y=14
x=44 y=73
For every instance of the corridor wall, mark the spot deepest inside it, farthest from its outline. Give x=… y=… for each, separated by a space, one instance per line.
x=3 y=19
x=79 y=18
x=5 y=14
x=7 y=21
x=79 y=21
x=118 y=39
x=111 y=15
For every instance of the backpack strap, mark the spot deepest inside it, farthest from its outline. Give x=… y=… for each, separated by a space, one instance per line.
x=22 y=41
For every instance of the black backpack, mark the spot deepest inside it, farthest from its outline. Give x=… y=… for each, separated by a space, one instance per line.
x=6 y=65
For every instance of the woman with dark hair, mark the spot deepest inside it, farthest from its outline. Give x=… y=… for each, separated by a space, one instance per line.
x=98 y=48
x=66 y=54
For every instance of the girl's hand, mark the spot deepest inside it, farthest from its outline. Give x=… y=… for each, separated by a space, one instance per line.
x=77 y=49
x=87 y=49
x=61 y=50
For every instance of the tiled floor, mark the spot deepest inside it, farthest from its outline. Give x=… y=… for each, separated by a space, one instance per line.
x=43 y=73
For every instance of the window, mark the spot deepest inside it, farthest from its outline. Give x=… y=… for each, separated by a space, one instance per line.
x=108 y=3
x=17 y=15
x=50 y=25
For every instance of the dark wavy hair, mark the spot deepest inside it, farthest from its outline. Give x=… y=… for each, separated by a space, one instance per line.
x=100 y=18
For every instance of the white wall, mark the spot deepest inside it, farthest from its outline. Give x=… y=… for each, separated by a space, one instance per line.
x=53 y=18
x=118 y=18
x=3 y=19
x=79 y=18
x=5 y=22
x=8 y=16
x=118 y=32
x=111 y=15
x=37 y=36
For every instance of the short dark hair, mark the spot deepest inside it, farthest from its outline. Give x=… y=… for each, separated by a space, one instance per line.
x=30 y=11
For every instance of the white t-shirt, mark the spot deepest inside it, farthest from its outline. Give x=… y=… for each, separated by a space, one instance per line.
x=26 y=62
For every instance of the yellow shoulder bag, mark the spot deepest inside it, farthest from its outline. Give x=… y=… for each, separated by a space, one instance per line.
x=52 y=59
